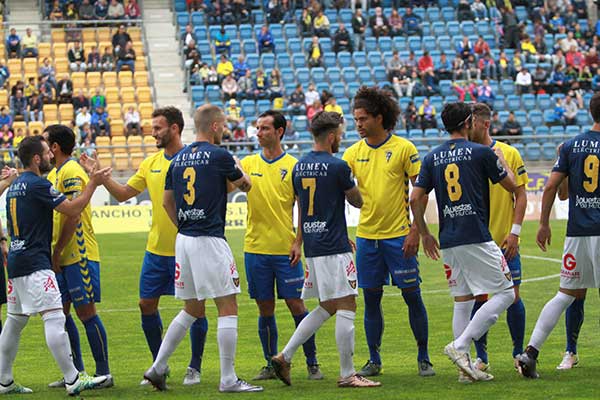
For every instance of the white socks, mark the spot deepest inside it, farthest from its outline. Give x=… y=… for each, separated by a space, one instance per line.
x=344 y=337
x=227 y=338
x=461 y=316
x=548 y=318
x=484 y=318
x=9 y=343
x=309 y=325
x=175 y=334
x=58 y=343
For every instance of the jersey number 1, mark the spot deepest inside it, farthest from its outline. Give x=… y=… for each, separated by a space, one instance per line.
x=451 y=173
x=590 y=169
x=311 y=185
x=190 y=174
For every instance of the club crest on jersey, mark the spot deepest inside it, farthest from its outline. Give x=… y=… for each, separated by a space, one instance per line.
x=49 y=284
x=388 y=155
x=283 y=173
x=452 y=146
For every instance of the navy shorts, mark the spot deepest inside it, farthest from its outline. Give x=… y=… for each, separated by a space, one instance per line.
x=377 y=260
x=515 y=269
x=79 y=283
x=262 y=271
x=157 y=277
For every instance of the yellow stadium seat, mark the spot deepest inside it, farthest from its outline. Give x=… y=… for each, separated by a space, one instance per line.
x=147 y=126
x=94 y=79
x=44 y=50
x=50 y=112
x=135 y=33
x=145 y=110
x=141 y=78
x=105 y=158
x=127 y=94
x=30 y=65
x=134 y=144
x=117 y=128
x=103 y=45
x=48 y=122
x=125 y=79
x=19 y=125
x=112 y=94
x=66 y=112
x=3 y=97
x=138 y=47
x=110 y=79
x=12 y=81
x=119 y=142
x=104 y=34
x=140 y=63
x=148 y=141
x=36 y=126
x=88 y=35
x=59 y=49
x=144 y=95
x=122 y=162
x=14 y=66
x=136 y=160
x=61 y=65
x=78 y=79
x=101 y=142
x=114 y=110
x=58 y=35
x=87 y=48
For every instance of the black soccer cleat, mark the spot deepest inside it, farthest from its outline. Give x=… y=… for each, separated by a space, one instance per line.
x=527 y=366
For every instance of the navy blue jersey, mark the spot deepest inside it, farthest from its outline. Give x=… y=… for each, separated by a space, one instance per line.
x=320 y=181
x=30 y=202
x=579 y=159
x=459 y=170
x=198 y=177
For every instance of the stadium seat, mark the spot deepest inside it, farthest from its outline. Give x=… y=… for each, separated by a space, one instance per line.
x=298 y=61
x=300 y=123
x=360 y=59
x=334 y=75
x=533 y=152
x=385 y=43
x=549 y=151
x=364 y=74
x=513 y=102
x=284 y=61
x=317 y=74
x=302 y=75
x=338 y=89
x=349 y=74
x=267 y=61
x=252 y=60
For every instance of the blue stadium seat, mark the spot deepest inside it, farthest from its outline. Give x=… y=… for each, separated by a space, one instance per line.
x=484 y=28
x=253 y=61
x=544 y=101
x=529 y=101
x=203 y=47
x=317 y=74
x=213 y=31
x=542 y=130
x=344 y=59
x=448 y=14
x=519 y=147
x=503 y=116
x=246 y=32
x=344 y=103
x=267 y=60
x=289 y=72
x=294 y=45
x=453 y=28
x=236 y=47
x=262 y=106
x=364 y=74
x=213 y=93
x=248 y=108
x=438 y=28
x=415 y=133
x=445 y=43
x=572 y=130
x=298 y=61
x=332 y=15
x=499 y=103
x=513 y=102
x=583 y=117
x=533 y=152
x=334 y=74
x=323 y=86
x=352 y=88
x=276 y=30
x=330 y=59
x=380 y=73
x=258 y=17
x=521 y=117
x=433 y=14
x=370 y=44
x=414 y=43
x=345 y=15
x=280 y=44
x=385 y=43
x=429 y=43
x=557 y=130
x=507 y=86
x=360 y=58
x=349 y=74
x=468 y=28
x=325 y=44
x=197 y=93
x=437 y=102
x=549 y=151
x=521 y=13
x=528 y=135
x=183 y=18
x=200 y=32
x=291 y=31
x=399 y=43
x=302 y=75
x=536 y=118
x=180 y=6
x=284 y=60
x=446 y=87
x=300 y=123
x=373 y=58
x=249 y=46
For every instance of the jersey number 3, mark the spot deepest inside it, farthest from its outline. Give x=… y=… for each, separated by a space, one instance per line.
x=451 y=173
x=311 y=185
x=590 y=170
x=190 y=175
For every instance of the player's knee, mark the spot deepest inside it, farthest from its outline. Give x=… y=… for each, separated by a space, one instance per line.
x=296 y=306
x=266 y=308
x=86 y=311
x=195 y=308
x=148 y=306
x=482 y=298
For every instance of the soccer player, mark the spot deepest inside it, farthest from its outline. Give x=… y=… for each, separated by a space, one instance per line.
x=32 y=285
x=387 y=244
x=5 y=182
x=322 y=183
x=269 y=252
x=76 y=258
x=579 y=160
x=158 y=268
x=459 y=171
x=196 y=200
x=507 y=211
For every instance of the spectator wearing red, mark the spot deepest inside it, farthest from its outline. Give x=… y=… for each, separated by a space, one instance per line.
x=481 y=47
x=575 y=59
x=313 y=109
x=591 y=59
x=132 y=11
x=425 y=63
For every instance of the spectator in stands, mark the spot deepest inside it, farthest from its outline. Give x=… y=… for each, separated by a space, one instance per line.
x=427 y=115
x=379 y=23
x=20 y=85
x=82 y=117
x=487 y=66
x=18 y=107
x=481 y=47
x=120 y=39
x=523 y=81
x=464 y=11
x=107 y=60
x=227 y=13
x=472 y=68
x=479 y=10
x=261 y=85
x=6 y=137
x=126 y=58
x=246 y=86
x=297 y=101
x=29 y=44
x=425 y=64
x=46 y=70
x=100 y=122
x=64 y=90
x=266 y=42
x=275 y=12
x=575 y=58
x=222 y=43
x=458 y=68
x=189 y=53
x=558 y=59
x=404 y=84
x=505 y=66
x=98 y=99
x=510 y=22
x=313 y=109
x=86 y=11
x=290 y=134
x=306 y=24
x=213 y=11
x=116 y=10
x=19 y=136
x=13 y=44
x=212 y=77
x=495 y=124
x=465 y=48
x=315 y=53
x=396 y=24
x=224 y=67
x=443 y=68
x=188 y=35
x=342 y=40
x=31 y=88
x=71 y=14
x=4 y=74
x=311 y=95
x=132 y=10
x=571 y=109
x=81 y=101
x=93 y=60
x=558 y=115
x=86 y=141
x=240 y=67
x=411 y=117
x=195 y=5
x=333 y=106
x=76 y=58
x=321 y=25
x=485 y=94
x=585 y=78
x=56 y=12
x=511 y=126
x=230 y=87
x=539 y=78
x=412 y=23
x=35 y=108
x=233 y=113
x=46 y=90
x=132 y=122
x=101 y=10
x=467 y=92
x=359 y=27
x=5 y=117
x=566 y=43
x=394 y=66
x=276 y=84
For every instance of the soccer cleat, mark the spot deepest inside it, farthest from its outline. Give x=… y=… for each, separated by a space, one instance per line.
x=356 y=381
x=314 y=372
x=57 y=384
x=159 y=381
x=480 y=365
x=426 y=368
x=461 y=360
x=527 y=366
x=146 y=382
x=370 y=369
x=192 y=376
x=281 y=369
x=464 y=378
x=14 y=388
x=84 y=382
x=108 y=383
x=482 y=375
x=265 y=373
x=239 y=386
x=569 y=361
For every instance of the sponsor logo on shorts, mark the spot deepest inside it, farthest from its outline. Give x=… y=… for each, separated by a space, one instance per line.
x=49 y=284
x=351 y=274
x=447 y=271
x=178 y=283
x=504 y=268
x=569 y=262
x=10 y=289
x=234 y=274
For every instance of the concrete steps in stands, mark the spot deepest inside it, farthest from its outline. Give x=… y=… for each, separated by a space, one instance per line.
x=24 y=14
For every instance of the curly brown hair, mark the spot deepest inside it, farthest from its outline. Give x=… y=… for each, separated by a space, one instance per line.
x=376 y=101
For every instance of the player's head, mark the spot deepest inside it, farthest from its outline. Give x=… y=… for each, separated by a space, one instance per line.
x=167 y=125
x=327 y=129
x=457 y=118
x=595 y=107
x=35 y=152
x=271 y=127
x=375 y=110
x=61 y=139
x=210 y=122
x=482 y=116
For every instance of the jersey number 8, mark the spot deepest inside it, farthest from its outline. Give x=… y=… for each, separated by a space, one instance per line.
x=451 y=173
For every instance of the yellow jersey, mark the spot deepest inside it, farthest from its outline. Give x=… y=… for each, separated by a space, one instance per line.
x=383 y=175
x=151 y=174
x=502 y=202
x=70 y=179
x=270 y=204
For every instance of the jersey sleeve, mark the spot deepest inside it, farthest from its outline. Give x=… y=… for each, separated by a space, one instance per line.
x=518 y=168
x=138 y=180
x=425 y=178
x=228 y=167
x=73 y=182
x=349 y=157
x=44 y=192
x=169 y=178
x=562 y=163
x=412 y=163
x=345 y=177
x=492 y=165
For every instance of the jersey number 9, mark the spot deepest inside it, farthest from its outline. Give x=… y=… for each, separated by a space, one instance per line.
x=190 y=174
x=451 y=173
x=590 y=170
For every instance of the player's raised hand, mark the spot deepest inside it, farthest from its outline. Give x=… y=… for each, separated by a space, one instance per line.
x=431 y=247
x=89 y=164
x=295 y=253
x=411 y=244
x=9 y=174
x=98 y=177
x=56 y=263
x=543 y=236
x=510 y=246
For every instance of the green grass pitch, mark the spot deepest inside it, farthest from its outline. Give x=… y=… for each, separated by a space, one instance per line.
x=129 y=356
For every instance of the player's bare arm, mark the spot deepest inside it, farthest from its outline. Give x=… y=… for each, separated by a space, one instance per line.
x=354 y=197
x=296 y=249
x=7 y=176
x=170 y=206
x=121 y=192
x=74 y=207
x=544 y=233
x=230 y=186
x=509 y=182
x=430 y=244
x=563 y=188
x=66 y=233
x=244 y=183
x=511 y=242
x=411 y=242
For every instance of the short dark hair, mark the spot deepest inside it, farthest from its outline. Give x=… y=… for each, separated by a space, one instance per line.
x=63 y=136
x=376 y=102
x=595 y=107
x=172 y=114
x=324 y=122
x=482 y=110
x=30 y=147
x=278 y=118
x=454 y=116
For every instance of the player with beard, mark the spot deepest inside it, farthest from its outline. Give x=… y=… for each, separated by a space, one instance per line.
x=158 y=268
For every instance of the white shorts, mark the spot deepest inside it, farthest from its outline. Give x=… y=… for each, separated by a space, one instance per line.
x=475 y=269
x=330 y=277
x=204 y=268
x=581 y=263
x=34 y=293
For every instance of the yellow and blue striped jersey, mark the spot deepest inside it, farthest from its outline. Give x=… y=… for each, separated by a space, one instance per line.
x=383 y=175
x=151 y=175
x=70 y=179
x=270 y=204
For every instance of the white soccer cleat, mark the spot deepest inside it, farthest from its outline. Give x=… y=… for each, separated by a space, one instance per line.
x=569 y=361
x=108 y=383
x=461 y=360
x=145 y=382
x=464 y=378
x=480 y=365
x=57 y=384
x=14 y=388
x=84 y=382
x=192 y=377
x=239 y=386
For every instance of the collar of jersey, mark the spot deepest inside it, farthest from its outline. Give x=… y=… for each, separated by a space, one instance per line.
x=63 y=164
x=273 y=160
x=493 y=143
x=380 y=144
x=173 y=156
